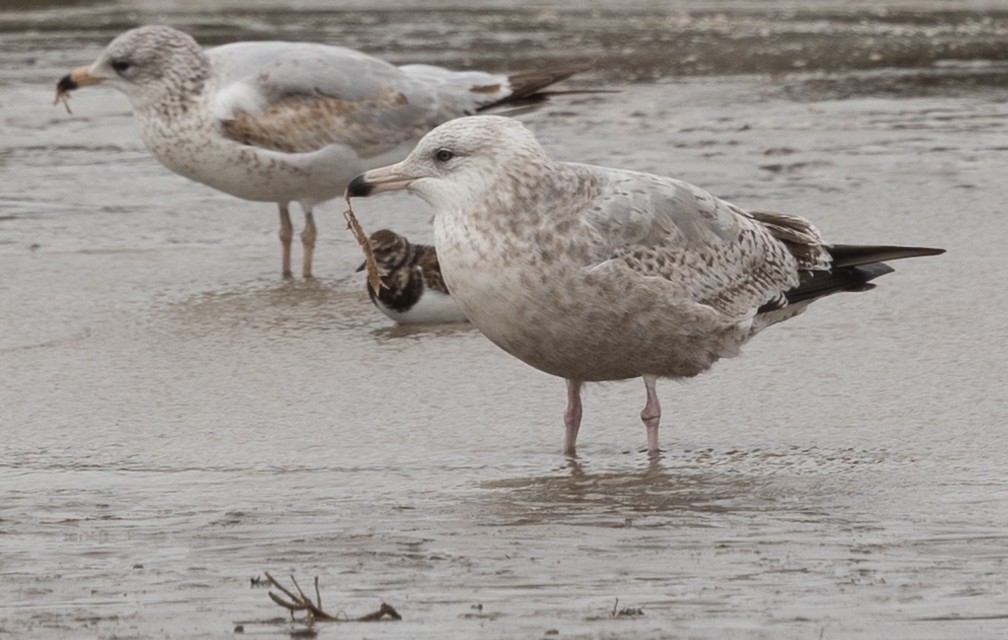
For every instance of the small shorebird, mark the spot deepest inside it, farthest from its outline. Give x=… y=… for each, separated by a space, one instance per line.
x=287 y=121
x=591 y=273
x=413 y=290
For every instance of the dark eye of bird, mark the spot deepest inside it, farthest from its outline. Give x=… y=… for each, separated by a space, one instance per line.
x=120 y=65
x=443 y=155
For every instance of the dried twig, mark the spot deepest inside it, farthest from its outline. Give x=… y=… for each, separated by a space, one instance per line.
x=299 y=602
x=64 y=97
x=383 y=610
x=625 y=612
x=374 y=277
x=295 y=602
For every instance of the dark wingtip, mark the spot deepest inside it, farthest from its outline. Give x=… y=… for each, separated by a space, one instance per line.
x=359 y=188
x=869 y=272
x=362 y=266
x=66 y=84
x=853 y=255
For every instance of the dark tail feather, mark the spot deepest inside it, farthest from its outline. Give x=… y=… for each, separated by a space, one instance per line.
x=824 y=283
x=526 y=88
x=854 y=267
x=854 y=255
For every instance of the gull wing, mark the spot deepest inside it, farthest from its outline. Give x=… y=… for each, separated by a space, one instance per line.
x=302 y=97
x=713 y=252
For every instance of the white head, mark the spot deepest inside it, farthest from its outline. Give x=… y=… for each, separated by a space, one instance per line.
x=462 y=160
x=155 y=66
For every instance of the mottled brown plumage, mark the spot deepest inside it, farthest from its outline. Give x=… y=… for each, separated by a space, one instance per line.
x=302 y=123
x=594 y=274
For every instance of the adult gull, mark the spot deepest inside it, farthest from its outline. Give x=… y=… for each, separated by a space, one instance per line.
x=287 y=121
x=592 y=273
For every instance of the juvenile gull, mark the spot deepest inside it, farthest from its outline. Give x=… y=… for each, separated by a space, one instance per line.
x=591 y=273
x=413 y=290
x=287 y=121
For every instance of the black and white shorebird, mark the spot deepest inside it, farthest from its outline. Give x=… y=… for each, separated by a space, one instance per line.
x=287 y=122
x=592 y=273
x=412 y=291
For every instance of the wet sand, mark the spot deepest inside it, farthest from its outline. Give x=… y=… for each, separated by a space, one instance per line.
x=176 y=419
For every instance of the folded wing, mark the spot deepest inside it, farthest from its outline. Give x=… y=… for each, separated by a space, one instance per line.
x=302 y=97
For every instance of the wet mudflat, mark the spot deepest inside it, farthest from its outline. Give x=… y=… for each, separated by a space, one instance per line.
x=175 y=419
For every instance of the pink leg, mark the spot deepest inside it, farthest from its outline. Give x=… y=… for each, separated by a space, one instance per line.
x=286 y=235
x=651 y=415
x=308 y=243
x=572 y=416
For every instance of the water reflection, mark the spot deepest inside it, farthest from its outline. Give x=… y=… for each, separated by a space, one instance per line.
x=394 y=332
x=582 y=495
x=311 y=306
x=689 y=489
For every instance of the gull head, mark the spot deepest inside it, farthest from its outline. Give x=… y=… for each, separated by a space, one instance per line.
x=153 y=65
x=466 y=160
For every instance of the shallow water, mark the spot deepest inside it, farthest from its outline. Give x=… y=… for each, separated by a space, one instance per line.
x=177 y=419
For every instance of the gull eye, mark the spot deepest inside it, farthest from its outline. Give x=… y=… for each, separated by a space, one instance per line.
x=443 y=155
x=121 y=65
